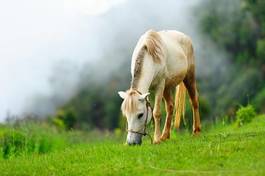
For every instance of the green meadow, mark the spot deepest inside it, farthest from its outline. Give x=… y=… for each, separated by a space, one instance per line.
x=222 y=149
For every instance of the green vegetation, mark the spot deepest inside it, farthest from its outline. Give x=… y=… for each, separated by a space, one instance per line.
x=223 y=150
x=239 y=28
x=39 y=138
x=95 y=106
x=29 y=139
x=245 y=115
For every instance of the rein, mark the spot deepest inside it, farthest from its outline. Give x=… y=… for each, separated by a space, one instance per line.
x=147 y=105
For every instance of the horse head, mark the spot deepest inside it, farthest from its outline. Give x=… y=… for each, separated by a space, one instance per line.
x=138 y=112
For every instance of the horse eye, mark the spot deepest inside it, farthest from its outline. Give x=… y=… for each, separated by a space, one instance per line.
x=140 y=116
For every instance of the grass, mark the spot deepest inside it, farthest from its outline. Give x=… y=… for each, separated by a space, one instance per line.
x=223 y=150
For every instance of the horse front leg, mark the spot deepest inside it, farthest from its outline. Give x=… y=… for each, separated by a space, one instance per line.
x=157 y=111
x=169 y=109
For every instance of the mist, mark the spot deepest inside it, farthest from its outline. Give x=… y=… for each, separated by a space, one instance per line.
x=37 y=37
x=49 y=50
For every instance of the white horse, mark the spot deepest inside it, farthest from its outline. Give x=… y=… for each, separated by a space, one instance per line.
x=162 y=61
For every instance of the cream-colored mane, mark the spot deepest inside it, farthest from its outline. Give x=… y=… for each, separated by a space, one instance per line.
x=129 y=104
x=152 y=45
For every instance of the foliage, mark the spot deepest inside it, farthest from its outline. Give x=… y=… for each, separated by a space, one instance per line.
x=240 y=89
x=245 y=115
x=261 y=48
x=65 y=119
x=238 y=27
x=26 y=138
x=259 y=100
x=13 y=143
x=95 y=106
x=30 y=138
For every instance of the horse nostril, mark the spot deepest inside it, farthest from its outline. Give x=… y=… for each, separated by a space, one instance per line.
x=131 y=143
x=134 y=143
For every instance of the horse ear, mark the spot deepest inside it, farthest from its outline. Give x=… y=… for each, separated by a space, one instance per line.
x=122 y=94
x=144 y=96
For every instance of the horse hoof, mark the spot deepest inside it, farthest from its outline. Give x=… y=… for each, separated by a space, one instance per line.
x=164 y=137
x=196 y=132
x=156 y=141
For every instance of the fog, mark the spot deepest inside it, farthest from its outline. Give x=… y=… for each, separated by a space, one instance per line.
x=45 y=46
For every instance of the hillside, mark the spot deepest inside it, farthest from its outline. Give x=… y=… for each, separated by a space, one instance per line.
x=223 y=150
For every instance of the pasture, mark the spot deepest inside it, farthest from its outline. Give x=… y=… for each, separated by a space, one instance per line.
x=224 y=149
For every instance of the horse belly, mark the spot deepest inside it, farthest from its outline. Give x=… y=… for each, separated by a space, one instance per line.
x=177 y=66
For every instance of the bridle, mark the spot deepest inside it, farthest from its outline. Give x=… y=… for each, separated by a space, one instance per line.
x=147 y=106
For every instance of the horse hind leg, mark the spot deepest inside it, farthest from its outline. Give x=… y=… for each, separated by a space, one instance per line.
x=169 y=109
x=190 y=84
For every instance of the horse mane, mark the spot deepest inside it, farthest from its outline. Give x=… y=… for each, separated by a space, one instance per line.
x=129 y=104
x=153 y=45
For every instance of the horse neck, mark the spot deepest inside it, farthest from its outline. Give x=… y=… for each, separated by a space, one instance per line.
x=144 y=80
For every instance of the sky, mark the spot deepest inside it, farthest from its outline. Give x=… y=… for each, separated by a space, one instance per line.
x=35 y=35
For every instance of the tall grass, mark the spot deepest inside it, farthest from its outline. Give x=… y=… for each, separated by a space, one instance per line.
x=30 y=138
x=39 y=138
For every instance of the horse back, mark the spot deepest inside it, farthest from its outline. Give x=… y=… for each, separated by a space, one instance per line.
x=179 y=58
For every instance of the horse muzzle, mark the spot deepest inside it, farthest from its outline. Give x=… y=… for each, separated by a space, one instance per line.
x=134 y=138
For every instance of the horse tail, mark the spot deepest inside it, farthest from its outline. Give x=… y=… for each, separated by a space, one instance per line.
x=180 y=104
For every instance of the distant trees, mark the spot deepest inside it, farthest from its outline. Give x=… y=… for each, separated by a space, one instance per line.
x=65 y=119
x=96 y=105
x=239 y=27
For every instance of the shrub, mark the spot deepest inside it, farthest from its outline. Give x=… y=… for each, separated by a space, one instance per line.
x=13 y=143
x=59 y=123
x=245 y=115
x=30 y=138
x=65 y=119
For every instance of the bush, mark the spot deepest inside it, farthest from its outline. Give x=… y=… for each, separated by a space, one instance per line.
x=245 y=115
x=13 y=143
x=30 y=138
x=65 y=119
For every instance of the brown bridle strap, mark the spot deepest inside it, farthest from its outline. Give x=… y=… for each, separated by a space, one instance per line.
x=147 y=105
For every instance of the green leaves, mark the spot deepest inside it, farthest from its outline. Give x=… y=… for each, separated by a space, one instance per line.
x=261 y=49
x=245 y=115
